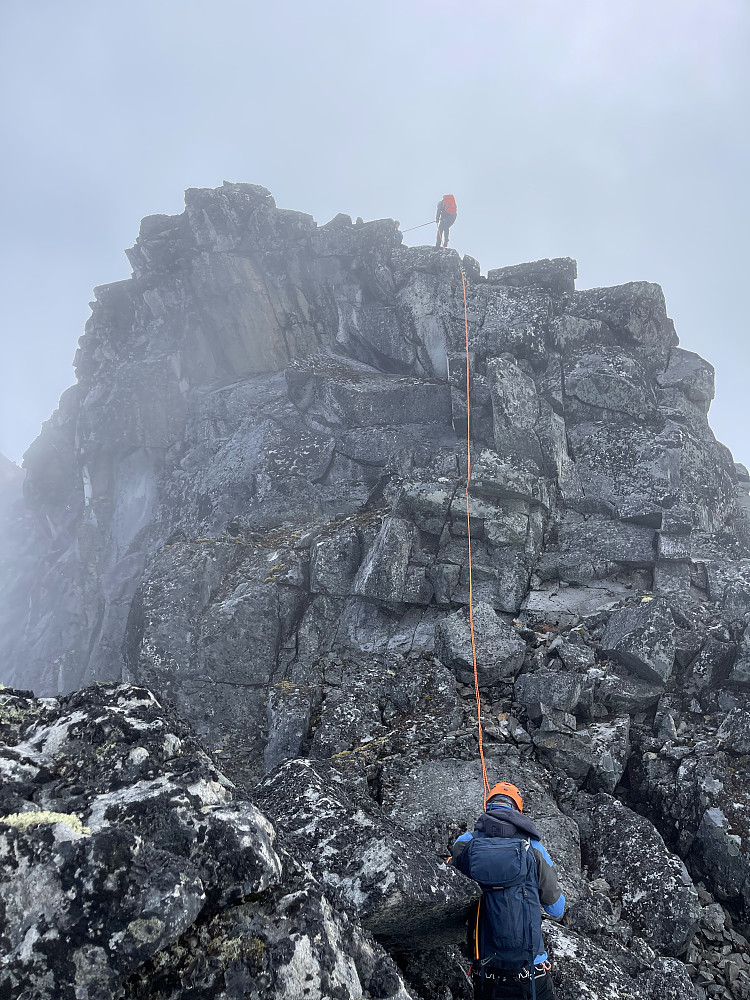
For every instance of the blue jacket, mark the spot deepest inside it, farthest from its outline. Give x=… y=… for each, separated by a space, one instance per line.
x=502 y=821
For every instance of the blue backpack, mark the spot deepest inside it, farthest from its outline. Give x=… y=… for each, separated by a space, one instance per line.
x=508 y=923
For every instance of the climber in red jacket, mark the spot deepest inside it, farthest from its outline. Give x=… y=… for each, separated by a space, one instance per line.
x=445 y=217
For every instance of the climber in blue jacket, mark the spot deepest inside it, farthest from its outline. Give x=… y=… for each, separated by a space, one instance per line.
x=505 y=856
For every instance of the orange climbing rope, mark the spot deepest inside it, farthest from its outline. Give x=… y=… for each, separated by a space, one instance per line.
x=468 y=531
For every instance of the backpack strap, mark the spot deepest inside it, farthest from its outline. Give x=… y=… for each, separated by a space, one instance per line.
x=531 y=860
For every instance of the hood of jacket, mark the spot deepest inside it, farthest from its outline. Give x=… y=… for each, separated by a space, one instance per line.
x=506 y=823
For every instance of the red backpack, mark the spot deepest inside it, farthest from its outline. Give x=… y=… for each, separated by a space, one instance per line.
x=449 y=204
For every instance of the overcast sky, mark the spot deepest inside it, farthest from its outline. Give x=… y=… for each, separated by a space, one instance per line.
x=610 y=131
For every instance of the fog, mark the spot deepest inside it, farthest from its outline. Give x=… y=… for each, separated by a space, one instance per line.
x=616 y=134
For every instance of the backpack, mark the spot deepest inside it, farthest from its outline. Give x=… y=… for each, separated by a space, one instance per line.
x=506 y=930
x=449 y=204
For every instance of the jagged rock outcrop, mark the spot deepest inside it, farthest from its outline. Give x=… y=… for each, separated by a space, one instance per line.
x=134 y=868
x=129 y=865
x=253 y=504
x=260 y=380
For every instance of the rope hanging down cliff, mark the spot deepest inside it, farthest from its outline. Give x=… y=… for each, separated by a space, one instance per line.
x=468 y=535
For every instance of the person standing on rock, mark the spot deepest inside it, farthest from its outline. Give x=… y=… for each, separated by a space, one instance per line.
x=505 y=856
x=445 y=217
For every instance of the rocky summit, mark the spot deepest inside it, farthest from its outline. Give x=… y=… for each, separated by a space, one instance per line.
x=239 y=727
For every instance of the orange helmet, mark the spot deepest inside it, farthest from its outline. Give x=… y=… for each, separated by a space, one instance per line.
x=503 y=788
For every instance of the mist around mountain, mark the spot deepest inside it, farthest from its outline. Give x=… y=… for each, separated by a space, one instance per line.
x=238 y=588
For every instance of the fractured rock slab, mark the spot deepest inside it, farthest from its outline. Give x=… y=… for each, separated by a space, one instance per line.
x=400 y=891
x=499 y=650
x=658 y=896
x=642 y=638
x=556 y=688
x=594 y=756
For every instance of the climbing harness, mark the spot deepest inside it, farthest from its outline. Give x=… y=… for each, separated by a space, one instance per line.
x=468 y=533
x=502 y=975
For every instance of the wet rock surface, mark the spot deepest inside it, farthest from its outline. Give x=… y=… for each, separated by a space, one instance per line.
x=250 y=514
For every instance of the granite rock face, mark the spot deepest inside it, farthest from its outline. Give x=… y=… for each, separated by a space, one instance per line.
x=253 y=505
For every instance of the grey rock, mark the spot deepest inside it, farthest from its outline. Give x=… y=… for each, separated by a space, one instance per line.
x=594 y=756
x=576 y=655
x=735 y=732
x=739 y=675
x=722 y=854
x=95 y=859
x=401 y=892
x=642 y=639
x=672 y=578
x=555 y=721
x=690 y=374
x=558 y=602
x=289 y=709
x=586 y=968
x=495 y=477
x=557 y=275
x=670 y=980
x=440 y=799
x=560 y=690
x=513 y=321
x=635 y=314
x=245 y=952
x=384 y=571
x=713 y=918
x=621 y=693
x=713 y=665
x=515 y=408
x=499 y=650
x=709 y=809
x=608 y=379
x=627 y=850
x=590 y=547
x=472 y=268
x=334 y=563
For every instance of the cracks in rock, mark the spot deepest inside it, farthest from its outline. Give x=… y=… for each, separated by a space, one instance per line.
x=376 y=495
x=282 y=328
x=244 y=685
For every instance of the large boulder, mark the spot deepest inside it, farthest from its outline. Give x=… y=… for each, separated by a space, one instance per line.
x=658 y=898
x=499 y=650
x=116 y=831
x=734 y=732
x=402 y=892
x=594 y=756
x=620 y=692
x=557 y=689
x=296 y=944
x=558 y=275
x=440 y=799
x=642 y=638
x=587 y=970
x=384 y=573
